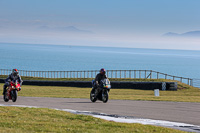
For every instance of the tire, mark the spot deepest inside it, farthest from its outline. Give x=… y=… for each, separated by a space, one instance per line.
x=105 y=96
x=5 y=98
x=14 y=95
x=92 y=96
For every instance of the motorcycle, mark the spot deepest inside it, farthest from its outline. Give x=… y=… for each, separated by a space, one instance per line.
x=104 y=88
x=11 y=91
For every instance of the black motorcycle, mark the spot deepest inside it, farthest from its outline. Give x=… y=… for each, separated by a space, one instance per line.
x=104 y=88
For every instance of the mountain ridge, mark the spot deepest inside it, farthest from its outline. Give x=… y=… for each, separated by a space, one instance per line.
x=186 y=34
x=69 y=29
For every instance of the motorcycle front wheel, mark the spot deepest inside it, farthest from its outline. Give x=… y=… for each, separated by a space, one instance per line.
x=14 y=95
x=105 y=96
x=5 y=97
x=92 y=96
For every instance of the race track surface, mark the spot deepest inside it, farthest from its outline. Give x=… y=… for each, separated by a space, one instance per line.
x=158 y=110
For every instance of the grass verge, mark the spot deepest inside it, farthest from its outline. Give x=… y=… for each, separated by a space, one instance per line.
x=16 y=119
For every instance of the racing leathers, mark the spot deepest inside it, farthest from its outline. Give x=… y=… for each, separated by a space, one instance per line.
x=10 y=78
x=97 y=81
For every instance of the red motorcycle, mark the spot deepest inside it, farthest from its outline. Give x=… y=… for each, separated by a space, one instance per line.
x=11 y=92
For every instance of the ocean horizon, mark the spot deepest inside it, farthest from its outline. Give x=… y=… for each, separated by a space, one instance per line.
x=44 y=57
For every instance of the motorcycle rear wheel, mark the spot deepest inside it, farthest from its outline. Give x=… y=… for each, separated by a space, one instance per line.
x=14 y=96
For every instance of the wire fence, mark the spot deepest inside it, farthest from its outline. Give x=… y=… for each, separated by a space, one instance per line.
x=123 y=74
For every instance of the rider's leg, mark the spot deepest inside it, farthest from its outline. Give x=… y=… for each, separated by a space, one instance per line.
x=97 y=90
x=4 y=89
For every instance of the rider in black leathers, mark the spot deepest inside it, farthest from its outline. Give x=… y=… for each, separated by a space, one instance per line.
x=98 y=78
x=13 y=76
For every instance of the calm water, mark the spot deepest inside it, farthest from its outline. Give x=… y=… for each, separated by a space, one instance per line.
x=65 y=58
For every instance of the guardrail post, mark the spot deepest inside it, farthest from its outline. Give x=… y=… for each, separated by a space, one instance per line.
x=111 y=73
x=125 y=74
x=151 y=74
x=120 y=74
x=191 y=82
x=165 y=76
x=134 y=73
x=157 y=75
x=139 y=74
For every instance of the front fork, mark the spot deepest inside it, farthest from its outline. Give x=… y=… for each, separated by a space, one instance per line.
x=104 y=92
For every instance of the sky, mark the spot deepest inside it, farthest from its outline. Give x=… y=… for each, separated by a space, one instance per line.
x=113 y=23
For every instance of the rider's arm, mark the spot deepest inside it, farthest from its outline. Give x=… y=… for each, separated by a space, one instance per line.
x=9 y=77
x=20 y=80
x=97 y=79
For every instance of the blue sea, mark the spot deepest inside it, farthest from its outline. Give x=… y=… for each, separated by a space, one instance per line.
x=37 y=57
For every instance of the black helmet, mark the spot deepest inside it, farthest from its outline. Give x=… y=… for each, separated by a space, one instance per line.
x=103 y=71
x=15 y=72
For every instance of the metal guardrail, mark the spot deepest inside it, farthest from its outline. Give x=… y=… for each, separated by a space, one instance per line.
x=131 y=74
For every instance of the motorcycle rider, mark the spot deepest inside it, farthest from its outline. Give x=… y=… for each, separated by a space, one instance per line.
x=101 y=75
x=13 y=76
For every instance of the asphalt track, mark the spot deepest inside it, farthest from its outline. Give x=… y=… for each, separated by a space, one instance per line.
x=183 y=112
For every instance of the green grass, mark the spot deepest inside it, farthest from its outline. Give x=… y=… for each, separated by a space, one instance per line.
x=23 y=120
x=189 y=94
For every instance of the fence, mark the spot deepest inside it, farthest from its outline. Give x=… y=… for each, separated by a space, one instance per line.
x=131 y=74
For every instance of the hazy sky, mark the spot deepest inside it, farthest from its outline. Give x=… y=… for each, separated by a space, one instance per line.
x=121 y=23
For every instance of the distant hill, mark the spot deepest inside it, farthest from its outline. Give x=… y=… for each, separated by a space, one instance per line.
x=70 y=29
x=186 y=34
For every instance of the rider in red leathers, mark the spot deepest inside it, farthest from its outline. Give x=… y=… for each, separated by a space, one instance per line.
x=13 y=76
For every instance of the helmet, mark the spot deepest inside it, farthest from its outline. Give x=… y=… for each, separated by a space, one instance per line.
x=15 y=72
x=103 y=71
